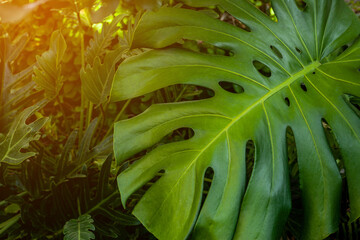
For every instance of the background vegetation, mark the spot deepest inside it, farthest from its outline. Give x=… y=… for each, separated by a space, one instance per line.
x=70 y=181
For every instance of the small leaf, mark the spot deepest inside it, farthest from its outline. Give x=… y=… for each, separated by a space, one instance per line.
x=12 y=208
x=97 y=79
x=48 y=72
x=79 y=229
x=19 y=136
x=102 y=40
x=129 y=35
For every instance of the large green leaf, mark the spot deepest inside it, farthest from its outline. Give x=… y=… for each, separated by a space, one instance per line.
x=308 y=82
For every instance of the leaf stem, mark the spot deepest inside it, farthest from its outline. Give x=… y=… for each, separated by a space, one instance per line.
x=83 y=100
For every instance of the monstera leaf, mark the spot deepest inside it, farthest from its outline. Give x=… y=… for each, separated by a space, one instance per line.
x=291 y=73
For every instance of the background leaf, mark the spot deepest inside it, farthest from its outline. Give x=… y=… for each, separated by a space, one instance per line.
x=102 y=40
x=79 y=229
x=48 y=72
x=97 y=79
x=19 y=136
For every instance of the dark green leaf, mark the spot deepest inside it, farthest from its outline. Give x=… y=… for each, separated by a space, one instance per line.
x=295 y=88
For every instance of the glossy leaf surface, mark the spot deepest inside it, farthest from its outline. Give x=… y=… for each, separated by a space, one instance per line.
x=291 y=75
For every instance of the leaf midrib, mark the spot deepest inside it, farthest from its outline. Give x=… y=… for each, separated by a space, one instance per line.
x=273 y=91
x=269 y=29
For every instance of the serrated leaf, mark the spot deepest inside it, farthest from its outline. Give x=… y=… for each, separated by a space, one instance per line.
x=19 y=136
x=102 y=40
x=12 y=88
x=128 y=38
x=13 y=50
x=79 y=229
x=97 y=79
x=47 y=73
x=296 y=88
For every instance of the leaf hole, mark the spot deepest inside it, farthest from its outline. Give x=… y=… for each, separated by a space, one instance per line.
x=301 y=4
x=250 y=159
x=298 y=50
x=180 y=134
x=353 y=102
x=287 y=101
x=228 y=18
x=295 y=219
x=231 y=87
x=276 y=51
x=173 y=93
x=342 y=49
x=303 y=87
x=205 y=47
x=334 y=146
x=265 y=7
x=208 y=178
x=136 y=196
x=262 y=68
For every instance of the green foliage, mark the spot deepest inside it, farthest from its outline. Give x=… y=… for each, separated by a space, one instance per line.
x=48 y=74
x=19 y=136
x=62 y=169
x=97 y=79
x=69 y=171
x=102 y=40
x=291 y=73
x=79 y=229
x=14 y=87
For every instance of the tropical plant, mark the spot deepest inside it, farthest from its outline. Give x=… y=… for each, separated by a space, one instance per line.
x=56 y=171
x=297 y=73
x=79 y=229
